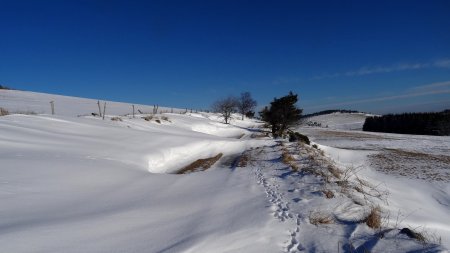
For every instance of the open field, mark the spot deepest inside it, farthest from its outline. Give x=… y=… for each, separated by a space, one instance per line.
x=83 y=184
x=415 y=169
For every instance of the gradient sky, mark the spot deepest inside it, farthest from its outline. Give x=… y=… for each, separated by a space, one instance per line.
x=374 y=56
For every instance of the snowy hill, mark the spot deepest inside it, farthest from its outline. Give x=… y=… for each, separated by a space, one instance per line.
x=71 y=183
x=338 y=120
x=82 y=184
x=34 y=102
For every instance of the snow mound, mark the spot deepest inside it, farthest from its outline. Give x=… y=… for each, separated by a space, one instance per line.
x=169 y=159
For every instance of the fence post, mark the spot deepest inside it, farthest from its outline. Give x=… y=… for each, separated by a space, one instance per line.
x=99 y=110
x=52 y=105
x=133 y=111
x=104 y=110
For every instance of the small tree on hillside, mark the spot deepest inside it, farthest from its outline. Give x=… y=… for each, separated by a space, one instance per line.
x=282 y=114
x=250 y=114
x=246 y=103
x=226 y=107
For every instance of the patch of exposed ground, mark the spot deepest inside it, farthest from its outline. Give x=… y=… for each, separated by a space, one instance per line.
x=349 y=135
x=412 y=164
x=243 y=160
x=200 y=164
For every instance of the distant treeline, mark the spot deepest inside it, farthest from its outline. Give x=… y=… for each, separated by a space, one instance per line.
x=327 y=112
x=431 y=123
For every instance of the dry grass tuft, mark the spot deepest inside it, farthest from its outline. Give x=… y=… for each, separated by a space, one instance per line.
x=3 y=112
x=243 y=160
x=165 y=118
x=158 y=121
x=294 y=167
x=148 y=118
x=116 y=119
x=343 y=183
x=289 y=159
x=320 y=218
x=286 y=157
x=334 y=171
x=200 y=164
x=328 y=194
x=373 y=220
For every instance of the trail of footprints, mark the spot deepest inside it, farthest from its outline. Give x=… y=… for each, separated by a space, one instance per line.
x=281 y=209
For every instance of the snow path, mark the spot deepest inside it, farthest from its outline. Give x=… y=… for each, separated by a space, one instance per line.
x=280 y=206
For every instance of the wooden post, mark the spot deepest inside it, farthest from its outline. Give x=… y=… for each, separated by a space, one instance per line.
x=52 y=105
x=133 y=111
x=99 y=110
x=104 y=110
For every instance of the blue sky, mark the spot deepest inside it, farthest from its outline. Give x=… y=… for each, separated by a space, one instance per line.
x=375 y=56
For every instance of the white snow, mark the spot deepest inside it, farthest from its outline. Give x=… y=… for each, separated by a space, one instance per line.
x=415 y=203
x=338 y=120
x=26 y=101
x=81 y=184
x=71 y=183
x=418 y=204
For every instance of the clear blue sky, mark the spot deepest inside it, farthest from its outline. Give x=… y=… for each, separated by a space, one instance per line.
x=377 y=56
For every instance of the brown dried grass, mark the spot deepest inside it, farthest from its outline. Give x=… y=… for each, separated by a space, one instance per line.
x=328 y=194
x=3 y=112
x=200 y=164
x=373 y=220
x=243 y=160
x=317 y=218
x=116 y=119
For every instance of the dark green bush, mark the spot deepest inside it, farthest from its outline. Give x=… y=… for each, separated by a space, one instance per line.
x=296 y=136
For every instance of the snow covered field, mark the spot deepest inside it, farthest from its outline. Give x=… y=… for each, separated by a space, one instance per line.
x=415 y=169
x=34 y=102
x=338 y=120
x=83 y=184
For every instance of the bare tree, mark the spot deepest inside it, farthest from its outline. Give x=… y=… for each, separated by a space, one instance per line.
x=246 y=103
x=226 y=107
